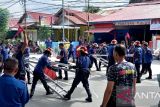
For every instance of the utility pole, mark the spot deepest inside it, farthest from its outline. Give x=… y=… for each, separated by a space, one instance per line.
x=88 y=17
x=25 y=12
x=63 y=38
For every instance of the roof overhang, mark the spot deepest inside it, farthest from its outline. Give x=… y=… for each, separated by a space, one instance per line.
x=100 y=30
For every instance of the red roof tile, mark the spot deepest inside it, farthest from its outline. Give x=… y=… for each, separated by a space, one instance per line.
x=75 y=20
x=47 y=17
x=148 y=10
x=83 y=15
x=13 y=23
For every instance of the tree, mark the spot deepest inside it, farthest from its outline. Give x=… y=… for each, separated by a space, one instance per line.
x=43 y=33
x=92 y=9
x=4 y=15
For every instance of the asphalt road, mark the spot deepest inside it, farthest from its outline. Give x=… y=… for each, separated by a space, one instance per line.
x=98 y=83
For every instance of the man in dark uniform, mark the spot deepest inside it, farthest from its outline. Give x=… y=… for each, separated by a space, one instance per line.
x=103 y=51
x=110 y=54
x=82 y=74
x=131 y=51
x=92 y=51
x=138 y=59
x=63 y=59
x=20 y=57
x=13 y=92
x=147 y=56
x=26 y=58
x=71 y=52
x=38 y=73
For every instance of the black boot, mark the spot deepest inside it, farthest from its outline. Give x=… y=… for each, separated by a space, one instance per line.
x=149 y=78
x=31 y=93
x=49 y=93
x=138 y=81
x=67 y=97
x=89 y=99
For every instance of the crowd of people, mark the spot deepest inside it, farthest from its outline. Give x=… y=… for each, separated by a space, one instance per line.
x=123 y=70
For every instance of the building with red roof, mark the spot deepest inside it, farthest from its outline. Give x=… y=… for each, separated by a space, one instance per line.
x=140 y=20
x=75 y=22
x=76 y=18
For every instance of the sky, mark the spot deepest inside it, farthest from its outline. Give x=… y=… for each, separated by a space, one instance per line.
x=52 y=6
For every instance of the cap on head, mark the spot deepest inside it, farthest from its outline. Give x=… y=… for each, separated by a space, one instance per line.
x=95 y=45
x=145 y=44
x=137 y=43
x=114 y=41
x=83 y=49
x=48 y=51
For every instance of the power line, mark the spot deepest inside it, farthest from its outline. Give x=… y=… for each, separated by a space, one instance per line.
x=44 y=3
x=6 y=3
x=43 y=8
x=10 y=6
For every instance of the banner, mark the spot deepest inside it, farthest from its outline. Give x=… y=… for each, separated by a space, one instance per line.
x=155 y=24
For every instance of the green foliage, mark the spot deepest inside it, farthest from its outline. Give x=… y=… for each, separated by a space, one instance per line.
x=4 y=15
x=43 y=33
x=92 y=9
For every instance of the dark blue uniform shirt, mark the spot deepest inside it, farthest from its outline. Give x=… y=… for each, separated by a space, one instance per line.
x=71 y=48
x=83 y=63
x=91 y=51
x=13 y=92
x=148 y=55
x=5 y=53
x=21 y=65
x=138 y=55
x=48 y=44
x=64 y=58
x=42 y=63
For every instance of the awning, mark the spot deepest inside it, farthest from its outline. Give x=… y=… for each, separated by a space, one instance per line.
x=100 y=30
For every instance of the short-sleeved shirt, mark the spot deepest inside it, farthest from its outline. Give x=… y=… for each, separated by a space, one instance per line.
x=71 y=48
x=64 y=58
x=13 y=92
x=5 y=53
x=123 y=75
x=42 y=63
x=138 y=55
x=83 y=63
x=48 y=44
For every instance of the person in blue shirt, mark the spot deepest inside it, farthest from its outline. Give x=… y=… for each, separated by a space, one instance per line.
x=26 y=58
x=131 y=51
x=1 y=64
x=5 y=52
x=138 y=59
x=103 y=51
x=38 y=73
x=71 y=52
x=111 y=60
x=148 y=58
x=48 y=43
x=83 y=64
x=63 y=59
x=19 y=55
x=13 y=92
x=92 y=51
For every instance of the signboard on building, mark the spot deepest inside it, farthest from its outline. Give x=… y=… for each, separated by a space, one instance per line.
x=155 y=24
x=135 y=22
